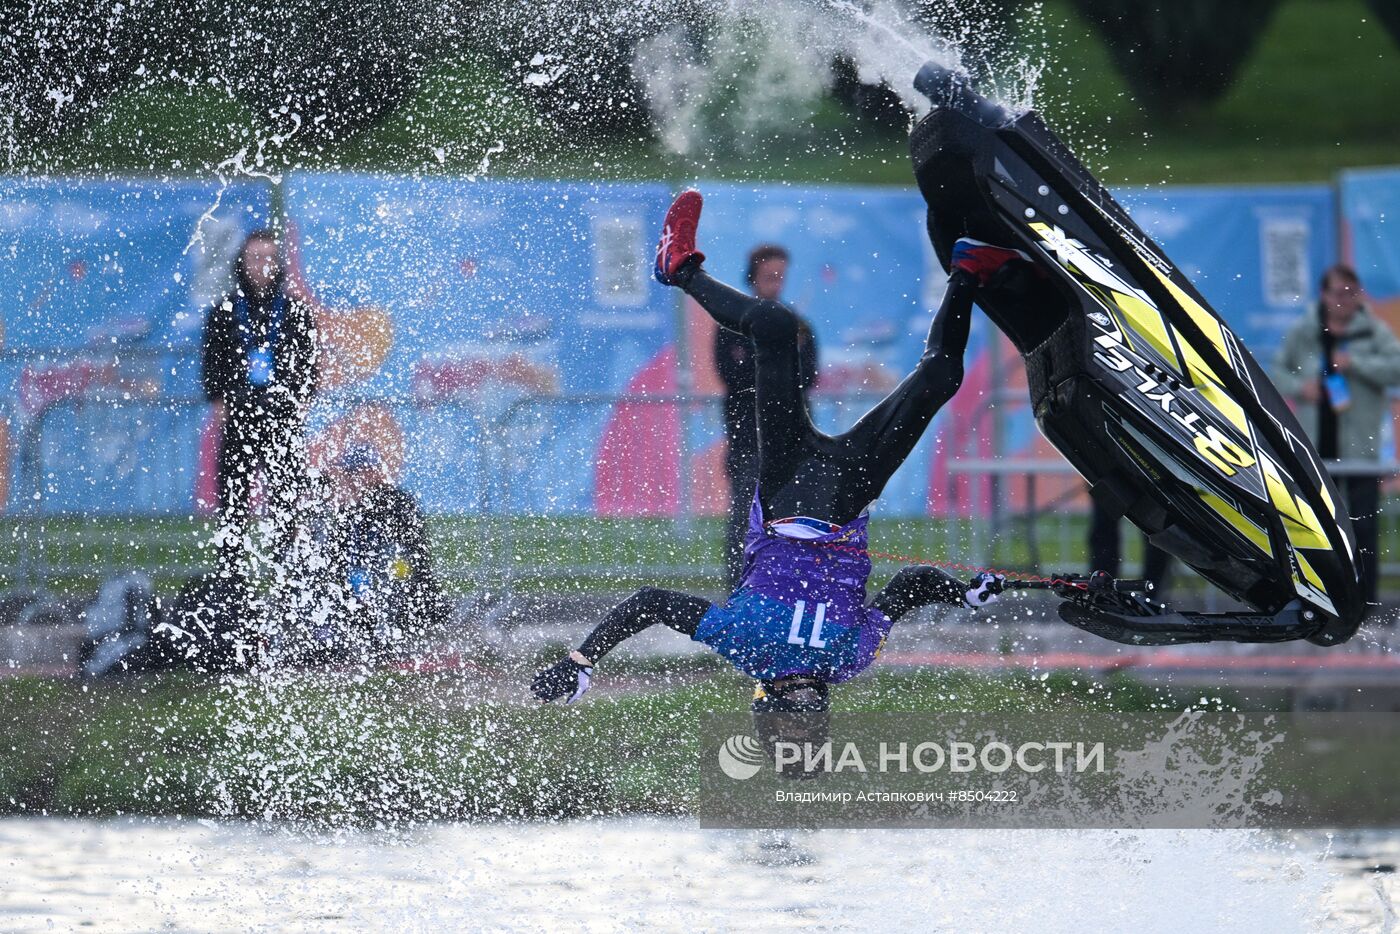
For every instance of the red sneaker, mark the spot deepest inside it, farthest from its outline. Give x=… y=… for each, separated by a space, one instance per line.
x=982 y=259
x=677 y=244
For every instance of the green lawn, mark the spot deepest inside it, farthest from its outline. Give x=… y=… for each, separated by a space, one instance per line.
x=566 y=554
x=1317 y=96
x=570 y=555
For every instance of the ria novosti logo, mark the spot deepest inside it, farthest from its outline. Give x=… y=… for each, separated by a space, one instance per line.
x=740 y=757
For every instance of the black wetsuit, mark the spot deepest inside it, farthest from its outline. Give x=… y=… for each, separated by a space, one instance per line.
x=734 y=362
x=803 y=472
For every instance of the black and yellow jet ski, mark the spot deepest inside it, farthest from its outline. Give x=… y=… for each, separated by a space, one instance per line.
x=1138 y=382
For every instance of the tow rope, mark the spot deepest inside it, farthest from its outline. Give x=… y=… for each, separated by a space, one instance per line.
x=1019 y=577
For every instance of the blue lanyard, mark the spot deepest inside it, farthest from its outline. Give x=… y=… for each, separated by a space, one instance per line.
x=274 y=324
x=1339 y=345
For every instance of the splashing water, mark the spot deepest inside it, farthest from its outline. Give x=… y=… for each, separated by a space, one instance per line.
x=767 y=64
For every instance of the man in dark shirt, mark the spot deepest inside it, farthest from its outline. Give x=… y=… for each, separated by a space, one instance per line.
x=734 y=352
x=258 y=366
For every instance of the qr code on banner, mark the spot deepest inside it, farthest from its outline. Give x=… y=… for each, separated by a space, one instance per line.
x=619 y=261
x=1285 y=260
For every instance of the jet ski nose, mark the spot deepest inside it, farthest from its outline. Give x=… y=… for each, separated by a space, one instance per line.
x=947 y=87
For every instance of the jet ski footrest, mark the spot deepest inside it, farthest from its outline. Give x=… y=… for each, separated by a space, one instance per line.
x=1172 y=627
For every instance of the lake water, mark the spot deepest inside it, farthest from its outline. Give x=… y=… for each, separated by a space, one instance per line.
x=140 y=875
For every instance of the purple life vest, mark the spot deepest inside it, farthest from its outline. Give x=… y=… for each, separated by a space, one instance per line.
x=827 y=576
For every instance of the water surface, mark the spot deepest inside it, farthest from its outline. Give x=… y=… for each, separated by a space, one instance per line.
x=141 y=875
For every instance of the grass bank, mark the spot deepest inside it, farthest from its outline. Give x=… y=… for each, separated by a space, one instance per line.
x=374 y=749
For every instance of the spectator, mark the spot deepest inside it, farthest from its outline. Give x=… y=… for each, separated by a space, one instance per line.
x=1335 y=365
x=376 y=546
x=259 y=369
x=766 y=275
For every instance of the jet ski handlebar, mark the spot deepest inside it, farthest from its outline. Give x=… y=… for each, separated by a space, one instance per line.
x=948 y=87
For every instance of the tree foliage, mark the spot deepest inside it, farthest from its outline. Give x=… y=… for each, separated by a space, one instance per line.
x=1179 y=54
x=336 y=64
x=1388 y=12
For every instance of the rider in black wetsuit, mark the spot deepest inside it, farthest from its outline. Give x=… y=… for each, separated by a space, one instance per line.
x=799 y=620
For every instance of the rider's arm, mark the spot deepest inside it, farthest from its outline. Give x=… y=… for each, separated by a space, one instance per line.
x=915 y=587
x=572 y=675
x=888 y=432
x=645 y=608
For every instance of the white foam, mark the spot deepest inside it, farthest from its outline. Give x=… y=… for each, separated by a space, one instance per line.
x=765 y=64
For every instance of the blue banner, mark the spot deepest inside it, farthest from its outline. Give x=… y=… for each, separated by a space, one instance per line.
x=1371 y=212
x=454 y=301
x=134 y=262
x=107 y=284
x=464 y=324
x=1255 y=253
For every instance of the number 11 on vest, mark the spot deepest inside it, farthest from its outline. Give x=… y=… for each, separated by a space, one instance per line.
x=795 y=633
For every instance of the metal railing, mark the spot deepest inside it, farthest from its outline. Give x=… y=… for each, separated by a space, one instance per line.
x=505 y=516
x=609 y=558
x=93 y=510
x=103 y=484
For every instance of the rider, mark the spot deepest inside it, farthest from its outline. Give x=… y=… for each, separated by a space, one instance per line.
x=798 y=621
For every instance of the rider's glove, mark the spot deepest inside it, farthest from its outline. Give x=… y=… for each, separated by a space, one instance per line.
x=563 y=677
x=983 y=260
x=984 y=589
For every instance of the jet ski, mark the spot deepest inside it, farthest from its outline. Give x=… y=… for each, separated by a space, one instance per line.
x=1141 y=385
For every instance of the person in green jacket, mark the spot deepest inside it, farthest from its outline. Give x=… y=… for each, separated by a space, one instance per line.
x=1335 y=366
